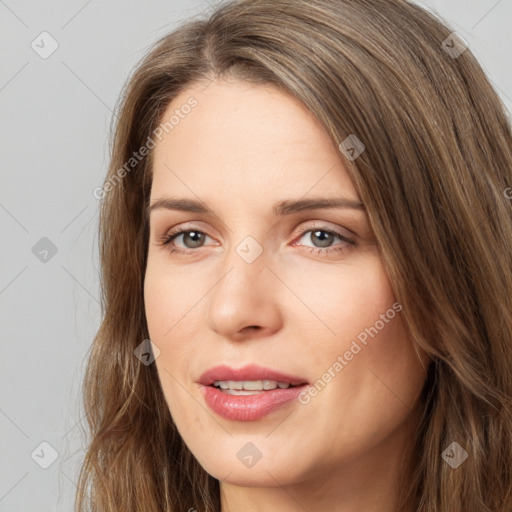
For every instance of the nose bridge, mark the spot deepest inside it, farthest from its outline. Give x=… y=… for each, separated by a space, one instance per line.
x=243 y=296
x=244 y=270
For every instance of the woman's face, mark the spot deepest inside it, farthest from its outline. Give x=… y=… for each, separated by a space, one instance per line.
x=265 y=276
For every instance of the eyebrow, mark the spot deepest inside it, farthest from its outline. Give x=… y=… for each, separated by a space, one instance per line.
x=280 y=209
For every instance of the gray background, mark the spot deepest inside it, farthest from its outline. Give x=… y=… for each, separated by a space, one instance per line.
x=55 y=117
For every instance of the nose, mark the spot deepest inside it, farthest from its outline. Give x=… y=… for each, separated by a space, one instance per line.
x=245 y=301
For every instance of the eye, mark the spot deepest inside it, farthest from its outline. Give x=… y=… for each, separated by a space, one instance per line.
x=323 y=240
x=190 y=239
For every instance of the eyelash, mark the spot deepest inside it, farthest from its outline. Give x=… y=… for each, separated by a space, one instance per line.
x=172 y=235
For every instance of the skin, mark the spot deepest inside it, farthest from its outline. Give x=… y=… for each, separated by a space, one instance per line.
x=296 y=308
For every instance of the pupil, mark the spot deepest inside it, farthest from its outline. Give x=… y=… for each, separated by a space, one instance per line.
x=325 y=240
x=195 y=237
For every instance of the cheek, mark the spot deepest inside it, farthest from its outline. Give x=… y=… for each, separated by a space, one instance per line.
x=371 y=338
x=175 y=312
x=165 y=301
x=168 y=300
x=337 y=302
x=364 y=357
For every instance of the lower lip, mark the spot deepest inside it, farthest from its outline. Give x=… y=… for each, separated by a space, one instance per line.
x=249 y=407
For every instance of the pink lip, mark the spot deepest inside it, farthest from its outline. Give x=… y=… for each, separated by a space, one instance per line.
x=249 y=372
x=248 y=407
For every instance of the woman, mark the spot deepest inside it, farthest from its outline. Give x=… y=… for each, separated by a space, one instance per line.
x=307 y=214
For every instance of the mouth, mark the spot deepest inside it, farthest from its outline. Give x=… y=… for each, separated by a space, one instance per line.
x=250 y=387
x=227 y=391
x=251 y=378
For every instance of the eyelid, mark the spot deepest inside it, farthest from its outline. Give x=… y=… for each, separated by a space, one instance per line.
x=324 y=226
x=316 y=225
x=180 y=227
x=176 y=231
x=348 y=242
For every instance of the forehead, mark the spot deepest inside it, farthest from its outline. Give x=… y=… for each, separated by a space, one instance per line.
x=241 y=137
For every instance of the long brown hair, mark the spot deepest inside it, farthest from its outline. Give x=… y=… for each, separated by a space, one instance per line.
x=434 y=177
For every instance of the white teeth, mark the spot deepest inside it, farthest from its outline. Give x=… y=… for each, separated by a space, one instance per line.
x=250 y=385
x=270 y=384
x=253 y=385
x=240 y=392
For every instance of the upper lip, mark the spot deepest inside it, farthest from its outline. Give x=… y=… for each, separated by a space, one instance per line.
x=249 y=372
